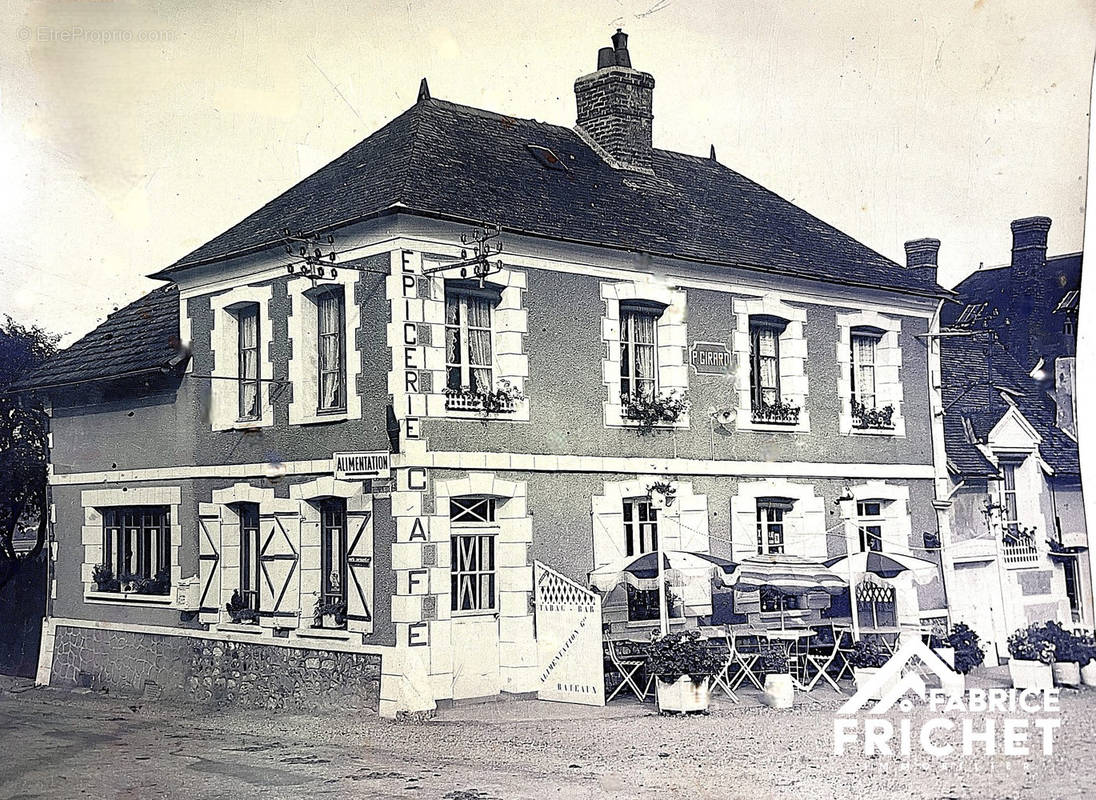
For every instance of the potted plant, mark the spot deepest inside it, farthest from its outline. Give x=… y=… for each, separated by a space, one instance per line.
x=682 y=664
x=868 y=656
x=940 y=645
x=129 y=582
x=1088 y=660
x=1031 y=654
x=665 y=408
x=779 y=691
x=104 y=579
x=239 y=612
x=965 y=646
x=329 y=615
x=1068 y=652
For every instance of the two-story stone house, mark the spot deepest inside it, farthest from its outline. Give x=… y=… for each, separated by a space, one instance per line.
x=398 y=442
x=1014 y=507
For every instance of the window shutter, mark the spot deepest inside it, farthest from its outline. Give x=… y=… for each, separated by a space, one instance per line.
x=279 y=578
x=209 y=562
x=359 y=568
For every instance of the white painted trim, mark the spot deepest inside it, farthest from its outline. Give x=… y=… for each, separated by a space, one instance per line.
x=888 y=370
x=304 y=364
x=224 y=394
x=791 y=364
x=528 y=462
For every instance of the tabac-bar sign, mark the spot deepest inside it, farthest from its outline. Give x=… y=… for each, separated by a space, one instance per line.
x=710 y=358
x=361 y=465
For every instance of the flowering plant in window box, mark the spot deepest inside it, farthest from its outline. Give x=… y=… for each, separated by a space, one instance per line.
x=665 y=408
x=872 y=418
x=239 y=612
x=104 y=579
x=503 y=399
x=778 y=413
x=329 y=615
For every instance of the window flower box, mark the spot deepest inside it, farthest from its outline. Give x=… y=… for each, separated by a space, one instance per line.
x=864 y=418
x=502 y=400
x=665 y=408
x=778 y=413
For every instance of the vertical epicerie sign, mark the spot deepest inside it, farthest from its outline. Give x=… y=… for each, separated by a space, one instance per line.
x=957 y=721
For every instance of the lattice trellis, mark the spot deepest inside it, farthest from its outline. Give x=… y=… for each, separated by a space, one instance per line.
x=868 y=592
x=554 y=591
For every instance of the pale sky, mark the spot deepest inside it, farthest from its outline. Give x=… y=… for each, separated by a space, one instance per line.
x=132 y=133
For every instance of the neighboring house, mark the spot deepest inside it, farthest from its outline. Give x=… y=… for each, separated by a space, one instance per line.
x=408 y=440
x=1014 y=502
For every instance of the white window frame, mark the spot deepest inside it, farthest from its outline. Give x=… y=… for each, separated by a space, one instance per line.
x=866 y=520
x=767 y=509
x=338 y=296
x=856 y=337
x=886 y=370
x=484 y=530
x=639 y=531
x=240 y=312
x=224 y=348
x=628 y=344
x=793 y=385
x=464 y=354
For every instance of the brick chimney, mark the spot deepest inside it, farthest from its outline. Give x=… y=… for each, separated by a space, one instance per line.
x=614 y=107
x=1029 y=243
x=1030 y=290
x=922 y=254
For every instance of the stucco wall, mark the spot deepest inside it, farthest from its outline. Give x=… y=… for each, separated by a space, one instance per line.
x=70 y=602
x=565 y=390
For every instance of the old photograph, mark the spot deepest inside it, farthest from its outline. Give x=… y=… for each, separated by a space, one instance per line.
x=505 y=400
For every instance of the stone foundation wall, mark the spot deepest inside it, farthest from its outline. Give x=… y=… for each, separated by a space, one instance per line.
x=215 y=672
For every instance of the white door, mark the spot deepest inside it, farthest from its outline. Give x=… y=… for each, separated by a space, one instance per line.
x=475 y=657
x=974 y=599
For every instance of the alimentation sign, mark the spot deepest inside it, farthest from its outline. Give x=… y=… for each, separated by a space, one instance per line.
x=710 y=358
x=361 y=465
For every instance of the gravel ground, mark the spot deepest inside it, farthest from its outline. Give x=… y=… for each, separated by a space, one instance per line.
x=61 y=744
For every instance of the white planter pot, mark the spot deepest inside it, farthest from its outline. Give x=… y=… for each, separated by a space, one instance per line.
x=1088 y=673
x=1030 y=674
x=1066 y=673
x=947 y=655
x=329 y=621
x=779 y=691
x=682 y=696
x=863 y=675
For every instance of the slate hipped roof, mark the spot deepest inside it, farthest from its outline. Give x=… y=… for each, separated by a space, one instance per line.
x=441 y=159
x=976 y=372
x=140 y=338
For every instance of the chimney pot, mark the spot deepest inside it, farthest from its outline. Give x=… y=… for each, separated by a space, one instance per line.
x=1030 y=233
x=922 y=253
x=614 y=106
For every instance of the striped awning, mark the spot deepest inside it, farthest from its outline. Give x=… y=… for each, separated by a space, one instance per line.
x=885 y=565
x=788 y=574
x=678 y=568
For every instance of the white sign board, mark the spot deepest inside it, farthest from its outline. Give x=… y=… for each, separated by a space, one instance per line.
x=569 y=653
x=349 y=466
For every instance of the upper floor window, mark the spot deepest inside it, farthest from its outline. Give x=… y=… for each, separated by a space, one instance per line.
x=249 y=554
x=640 y=526
x=764 y=362
x=468 y=348
x=864 y=346
x=247 y=322
x=137 y=548
x=770 y=525
x=869 y=515
x=472 y=553
x=1010 y=516
x=331 y=341
x=638 y=352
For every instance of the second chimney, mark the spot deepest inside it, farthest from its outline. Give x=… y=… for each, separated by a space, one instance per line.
x=923 y=254
x=614 y=106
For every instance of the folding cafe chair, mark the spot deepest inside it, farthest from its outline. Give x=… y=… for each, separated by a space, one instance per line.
x=820 y=657
x=730 y=671
x=746 y=647
x=627 y=659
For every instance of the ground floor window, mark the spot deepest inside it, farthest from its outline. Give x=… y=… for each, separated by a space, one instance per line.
x=136 y=550
x=870 y=519
x=875 y=605
x=775 y=600
x=473 y=571
x=770 y=526
x=333 y=559
x=1073 y=583
x=643 y=604
x=640 y=526
x=249 y=554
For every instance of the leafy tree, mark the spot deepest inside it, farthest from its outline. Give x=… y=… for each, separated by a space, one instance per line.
x=23 y=444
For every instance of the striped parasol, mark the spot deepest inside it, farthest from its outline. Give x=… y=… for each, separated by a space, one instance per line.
x=885 y=565
x=678 y=567
x=788 y=574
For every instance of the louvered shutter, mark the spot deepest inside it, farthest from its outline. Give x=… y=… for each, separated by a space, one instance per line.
x=209 y=562
x=279 y=578
x=359 y=570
